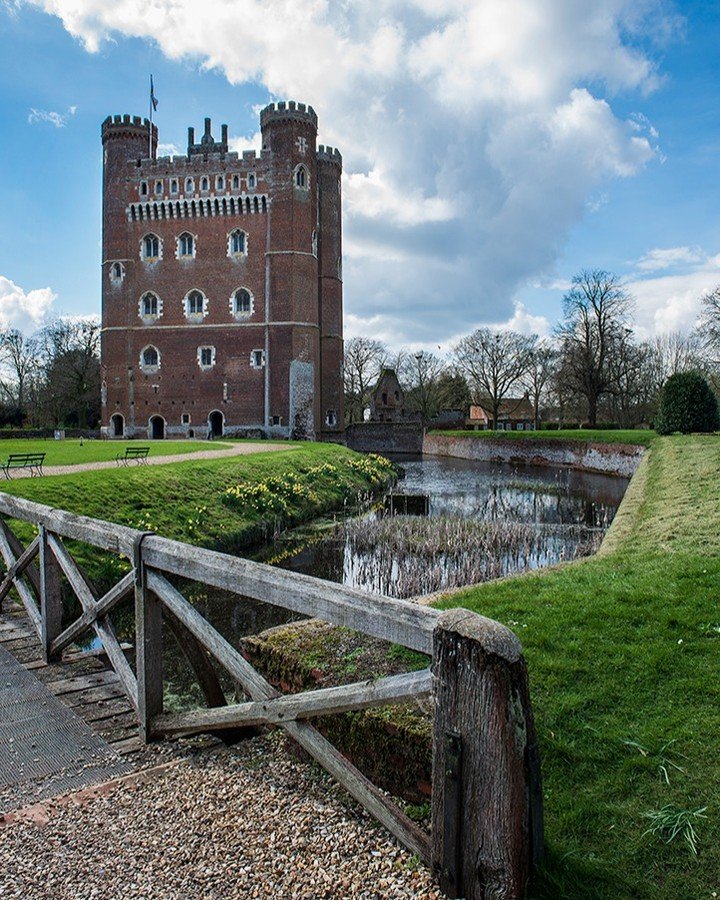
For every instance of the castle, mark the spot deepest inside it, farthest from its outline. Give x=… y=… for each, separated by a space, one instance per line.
x=222 y=282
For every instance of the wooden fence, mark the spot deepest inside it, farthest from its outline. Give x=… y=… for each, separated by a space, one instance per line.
x=486 y=834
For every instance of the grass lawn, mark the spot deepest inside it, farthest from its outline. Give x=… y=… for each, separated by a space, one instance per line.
x=642 y=437
x=187 y=501
x=73 y=453
x=624 y=658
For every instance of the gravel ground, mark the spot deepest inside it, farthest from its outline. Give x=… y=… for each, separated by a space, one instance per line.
x=250 y=822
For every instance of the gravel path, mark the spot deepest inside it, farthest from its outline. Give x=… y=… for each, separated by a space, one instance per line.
x=251 y=822
x=235 y=450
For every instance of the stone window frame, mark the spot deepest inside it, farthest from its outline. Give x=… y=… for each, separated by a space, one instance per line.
x=257 y=362
x=219 y=182
x=239 y=314
x=236 y=182
x=251 y=181
x=204 y=184
x=149 y=317
x=205 y=367
x=158 y=188
x=174 y=186
x=276 y=421
x=178 y=254
x=185 y=418
x=195 y=317
x=149 y=368
x=301 y=173
x=112 y=272
x=243 y=253
x=189 y=185
x=143 y=189
x=143 y=256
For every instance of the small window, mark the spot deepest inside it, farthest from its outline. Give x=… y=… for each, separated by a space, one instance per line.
x=242 y=303
x=117 y=272
x=237 y=243
x=276 y=420
x=189 y=185
x=384 y=399
x=251 y=180
x=204 y=184
x=236 y=182
x=331 y=418
x=301 y=178
x=195 y=303
x=158 y=187
x=150 y=358
x=173 y=186
x=151 y=247
x=220 y=183
x=206 y=357
x=143 y=189
x=185 y=419
x=149 y=305
x=257 y=359
x=313 y=243
x=520 y=426
x=185 y=245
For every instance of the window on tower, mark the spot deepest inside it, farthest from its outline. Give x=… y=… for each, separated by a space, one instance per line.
x=150 y=248
x=237 y=243
x=257 y=359
x=158 y=187
x=301 y=177
x=242 y=303
x=143 y=189
x=206 y=357
x=189 y=185
x=204 y=184
x=236 y=182
x=220 y=183
x=117 y=273
x=251 y=181
x=173 y=186
x=149 y=306
x=195 y=304
x=185 y=246
x=150 y=359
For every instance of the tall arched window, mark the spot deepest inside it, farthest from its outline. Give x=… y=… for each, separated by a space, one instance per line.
x=189 y=185
x=195 y=304
x=185 y=245
x=242 y=302
x=237 y=243
x=150 y=358
x=149 y=305
x=204 y=184
x=251 y=181
x=150 y=247
x=236 y=182
x=117 y=273
x=301 y=177
x=220 y=183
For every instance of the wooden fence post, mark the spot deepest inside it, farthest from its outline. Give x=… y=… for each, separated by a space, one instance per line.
x=148 y=647
x=50 y=596
x=487 y=830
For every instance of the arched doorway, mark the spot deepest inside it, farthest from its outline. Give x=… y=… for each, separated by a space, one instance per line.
x=216 y=423
x=117 y=425
x=157 y=428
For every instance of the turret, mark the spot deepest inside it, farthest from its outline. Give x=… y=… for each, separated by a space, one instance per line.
x=208 y=144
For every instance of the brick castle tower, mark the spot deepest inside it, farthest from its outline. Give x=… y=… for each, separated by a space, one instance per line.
x=222 y=282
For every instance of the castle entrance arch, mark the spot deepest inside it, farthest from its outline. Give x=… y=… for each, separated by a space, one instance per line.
x=216 y=423
x=117 y=425
x=157 y=428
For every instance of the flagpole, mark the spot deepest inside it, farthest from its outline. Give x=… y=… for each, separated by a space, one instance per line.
x=151 y=120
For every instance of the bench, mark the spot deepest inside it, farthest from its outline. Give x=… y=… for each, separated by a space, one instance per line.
x=139 y=454
x=32 y=461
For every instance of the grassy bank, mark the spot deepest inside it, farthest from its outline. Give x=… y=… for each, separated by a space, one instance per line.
x=643 y=438
x=623 y=654
x=73 y=453
x=222 y=503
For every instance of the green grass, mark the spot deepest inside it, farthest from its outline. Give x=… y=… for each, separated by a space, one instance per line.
x=186 y=500
x=73 y=453
x=642 y=437
x=623 y=652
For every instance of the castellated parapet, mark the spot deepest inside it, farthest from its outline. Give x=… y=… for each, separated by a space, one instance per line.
x=222 y=282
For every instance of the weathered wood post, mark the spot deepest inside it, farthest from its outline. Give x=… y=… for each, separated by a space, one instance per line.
x=50 y=596
x=487 y=830
x=148 y=646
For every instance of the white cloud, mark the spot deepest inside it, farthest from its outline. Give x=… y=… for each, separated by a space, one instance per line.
x=59 y=120
x=666 y=258
x=25 y=310
x=474 y=132
x=168 y=150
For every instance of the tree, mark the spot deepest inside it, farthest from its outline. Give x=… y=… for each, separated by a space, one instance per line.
x=453 y=391
x=542 y=363
x=421 y=375
x=70 y=392
x=596 y=310
x=363 y=360
x=687 y=404
x=493 y=363
x=710 y=323
x=18 y=368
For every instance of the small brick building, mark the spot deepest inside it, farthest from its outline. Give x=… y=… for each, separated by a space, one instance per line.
x=387 y=403
x=222 y=282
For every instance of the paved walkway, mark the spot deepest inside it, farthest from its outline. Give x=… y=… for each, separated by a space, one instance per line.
x=47 y=748
x=235 y=450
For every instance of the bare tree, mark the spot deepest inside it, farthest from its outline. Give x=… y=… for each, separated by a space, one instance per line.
x=421 y=377
x=596 y=311
x=18 y=367
x=710 y=323
x=363 y=360
x=493 y=362
x=71 y=372
x=542 y=363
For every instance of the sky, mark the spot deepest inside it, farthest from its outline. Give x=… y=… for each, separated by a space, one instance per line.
x=492 y=148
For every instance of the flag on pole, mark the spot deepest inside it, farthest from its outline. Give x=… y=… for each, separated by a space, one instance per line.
x=153 y=98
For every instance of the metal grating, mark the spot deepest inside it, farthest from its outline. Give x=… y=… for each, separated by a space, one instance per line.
x=45 y=748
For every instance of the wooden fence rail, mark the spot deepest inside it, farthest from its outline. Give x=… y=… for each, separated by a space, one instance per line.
x=486 y=798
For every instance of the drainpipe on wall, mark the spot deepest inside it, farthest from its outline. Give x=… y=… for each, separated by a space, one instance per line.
x=267 y=317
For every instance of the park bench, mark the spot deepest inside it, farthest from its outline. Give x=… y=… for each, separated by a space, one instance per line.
x=139 y=454
x=32 y=461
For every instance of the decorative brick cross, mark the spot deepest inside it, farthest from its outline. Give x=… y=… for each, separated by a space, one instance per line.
x=301 y=144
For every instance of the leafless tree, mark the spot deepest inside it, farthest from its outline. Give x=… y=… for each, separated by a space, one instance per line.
x=596 y=312
x=493 y=362
x=18 y=367
x=542 y=364
x=363 y=360
x=420 y=376
x=71 y=372
x=710 y=324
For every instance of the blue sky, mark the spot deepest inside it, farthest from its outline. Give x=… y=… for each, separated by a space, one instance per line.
x=491 y=150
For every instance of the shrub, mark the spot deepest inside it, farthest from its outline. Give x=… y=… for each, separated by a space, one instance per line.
x=687 y=404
